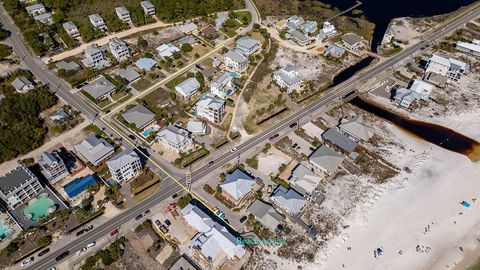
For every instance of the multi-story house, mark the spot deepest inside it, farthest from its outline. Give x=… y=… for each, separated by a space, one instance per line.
x=211 y=108
x=53 y=167
x=123 y=14
x=71 y=29
x=448 y=67
x=235 y=60
x=19 y=186
x=175 y=138
x=148 y=7
x=119 y=49
x=247 y=45
x=97 y=21
x=223 y=85
x=287 y=78
x=125 y=165
x=94 y=56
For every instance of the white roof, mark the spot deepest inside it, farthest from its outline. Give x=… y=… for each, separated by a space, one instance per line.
x=188 y=87
x=196 y=126
x=237 y=184
x=235 y=55
x=93 y=148
x=289 y=199
x=209 y=100
x=288 y=75
x=420 y=86
x=173 y=134
x=167 y=50
x=470 y=46
x=127 y=156
x=197 y=219
x=313 y=130
x=304 y=179
x=449 y=62
x=354 y=125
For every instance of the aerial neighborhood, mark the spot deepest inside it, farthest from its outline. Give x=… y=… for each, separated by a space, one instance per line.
x=239 y=134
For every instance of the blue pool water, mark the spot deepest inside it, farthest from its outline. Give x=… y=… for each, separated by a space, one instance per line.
x=147 y=132
x=5 y=230
x=229 y=91
x=234 y=74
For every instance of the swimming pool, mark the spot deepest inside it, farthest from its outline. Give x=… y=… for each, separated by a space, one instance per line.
x=234 y=74
x=38 y=207
x=147 y=132
x=5 y=230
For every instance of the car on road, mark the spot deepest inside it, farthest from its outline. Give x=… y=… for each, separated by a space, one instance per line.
x=174 y=196
x=63 y=255
x=92 y=244
x=294 y=145
x=233 y=149
x=131 y=137
x=112 y=233
x=168 y=222
x=292 y=125
x=242 y=219
x=53 y=268
x=43 y=252
x=211 y=163
x=274 y=136
x=80 y=232
x=139 y=217
x=81 y=251
x=158 y=223
x=27 y=261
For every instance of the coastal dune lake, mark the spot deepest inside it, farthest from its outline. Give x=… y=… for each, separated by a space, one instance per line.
x=438 y=135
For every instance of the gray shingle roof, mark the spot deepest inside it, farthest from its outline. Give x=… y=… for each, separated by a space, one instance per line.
x=351 y=38
x=173 y=134
x=235 y=55
x=247 y=43
x=93 y=148
x=304 y=179
x=326 y=158
x=186 y=40
x=69 y=26
x=238 y=184
x=15 y=178
x=139 y=115
x=340 y=140
x=288 y=75
x=289 y=199
x=128 y=74
x=100 y=87
x=211 y=101
x=71 y=65
x=21 y=82
x=188 y=87
x=265 y=214
x=122 y=11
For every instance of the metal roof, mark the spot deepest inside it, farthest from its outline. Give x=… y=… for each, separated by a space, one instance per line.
x=139 y=115
x=340 y=140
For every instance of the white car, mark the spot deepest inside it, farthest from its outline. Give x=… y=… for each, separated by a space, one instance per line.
x=92 y=244
x=233 y=149
x=27 y=261
x=81 y=251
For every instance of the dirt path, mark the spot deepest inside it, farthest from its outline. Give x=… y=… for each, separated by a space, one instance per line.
x=104 y=40
x=11 y=164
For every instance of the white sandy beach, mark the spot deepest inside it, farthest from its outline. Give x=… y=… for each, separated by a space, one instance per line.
x=429 y=196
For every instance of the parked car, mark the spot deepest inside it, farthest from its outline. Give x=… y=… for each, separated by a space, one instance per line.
x=269 y=188
x=163 y=229
x=242 y=219
x=89 y=228
x=53 y=268
x=80 y=232
x=168 y=222
x=211 y=163
x=158 y=223
x=63 y=255
x=174 y=196
x=92 y=244
x=233 y=149
x=78 y=253
x=43 y=252
x=294 y=145
x=147 y=212
x=138 y=217
x=27 y=261
x=112 y=233
x=292 y=125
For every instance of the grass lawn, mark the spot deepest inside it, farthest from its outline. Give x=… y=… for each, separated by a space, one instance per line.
x=145 y=193
x=119 y=95
x=244 y=16
x=229 y=31
x=142 y=84
x=174 y=82
x=104 y=103
x=198 y=48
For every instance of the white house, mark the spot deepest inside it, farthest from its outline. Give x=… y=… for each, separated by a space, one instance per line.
x=288 y=200
x=424 y=89
x=97 y=21
x=123 y=14
x=36 y=9
x=94 y=56
x=45 y=18
x=223 y=85
x=469 y=47
x=237 y=185
x=328 y=30
x=247 y=45
x=119 y=49
x=211 y=108
x=235 y=60
x=288 y=78
x=167 y=50
x=188 y=87
x=406 y=97
x=449 y=67
x=71 y=29
x=174 y=138
x=125 y=165
x=148 y=7
x=353 y=41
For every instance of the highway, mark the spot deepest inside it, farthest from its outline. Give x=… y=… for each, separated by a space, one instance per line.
x=170 y=187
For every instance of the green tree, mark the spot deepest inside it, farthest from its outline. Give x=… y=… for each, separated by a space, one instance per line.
x=186 y=47
x=44 y=241
x=5 y=51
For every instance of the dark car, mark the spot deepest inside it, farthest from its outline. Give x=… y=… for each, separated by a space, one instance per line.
x=112 y=233
x=147 y=212
x=132 y=137
x=210 y=163
x=43 y=252
x=80 y=232
x=138 y=217
x=61 y=256
x=292 y=125
x=174 y=196
x=168 y=222
x=242 y=219
x=158 y=223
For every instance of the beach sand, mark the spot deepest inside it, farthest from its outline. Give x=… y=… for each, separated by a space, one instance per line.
x=425 y=211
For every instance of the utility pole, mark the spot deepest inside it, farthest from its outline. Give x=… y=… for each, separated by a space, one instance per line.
x=188 y=178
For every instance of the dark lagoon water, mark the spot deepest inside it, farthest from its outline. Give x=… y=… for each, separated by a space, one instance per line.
x=381 y=12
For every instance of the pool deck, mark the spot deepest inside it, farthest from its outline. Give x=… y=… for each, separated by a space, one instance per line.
x=25 y=223
x=16 y=229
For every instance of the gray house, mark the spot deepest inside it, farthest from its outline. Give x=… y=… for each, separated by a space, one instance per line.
x=289 y=200
x=266 y=215
x=23 y=85
x=325 y=159
x=53 y=167
x=248 y=45
x=139 y=116
x=188 y=87
x=94 y=150
x=125 y=165
x=339 y=140
x=100 y=88
x=19 y=186
x=128 y=74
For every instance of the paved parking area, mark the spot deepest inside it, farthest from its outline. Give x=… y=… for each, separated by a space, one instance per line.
x=303 y=146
